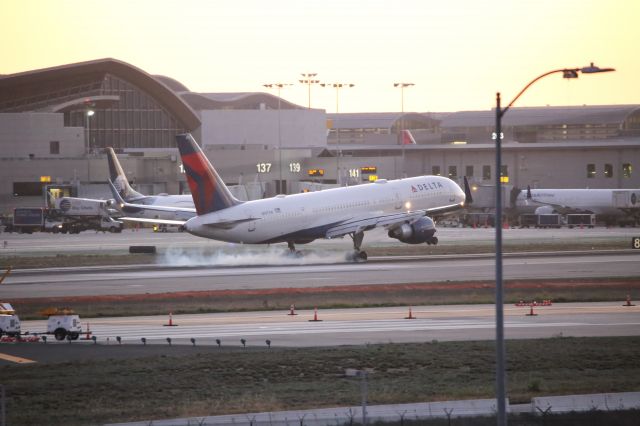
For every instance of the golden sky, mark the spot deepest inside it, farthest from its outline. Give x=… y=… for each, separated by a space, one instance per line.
x=458 y=53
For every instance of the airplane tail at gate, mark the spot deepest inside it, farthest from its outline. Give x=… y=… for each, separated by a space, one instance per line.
x=209 y=192
x=407 y=138
x=119 y=179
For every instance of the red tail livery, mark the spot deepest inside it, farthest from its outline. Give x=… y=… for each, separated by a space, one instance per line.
x=209 y=192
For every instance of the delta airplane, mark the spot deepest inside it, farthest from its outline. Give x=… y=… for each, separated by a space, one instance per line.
x=400 y=206
x=133 y=205
x=602 y=202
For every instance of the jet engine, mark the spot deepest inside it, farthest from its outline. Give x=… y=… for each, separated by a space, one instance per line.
x=418 y=232
x=545 y=210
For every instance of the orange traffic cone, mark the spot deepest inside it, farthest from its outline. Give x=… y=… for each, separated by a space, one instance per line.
x=170 y=324
x=531 y=313
x=292 y=310
x=410 y=314
x=315 y=315
x=88 y=336
x=628 y=303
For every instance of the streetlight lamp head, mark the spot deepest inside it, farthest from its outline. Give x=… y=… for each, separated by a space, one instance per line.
x=569 y=73
x=90 y=112
x=592 y=69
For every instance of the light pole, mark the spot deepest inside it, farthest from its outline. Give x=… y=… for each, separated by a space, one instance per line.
x=500 y=350
x=337 y=86
x=309 y=80
x=89 y=114
x=279 y=87
x=402 y=86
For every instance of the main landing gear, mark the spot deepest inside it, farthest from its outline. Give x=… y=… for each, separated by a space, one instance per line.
x=292 y=250
x=357 y=254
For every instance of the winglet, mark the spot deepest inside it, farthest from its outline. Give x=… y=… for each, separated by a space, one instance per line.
x=209 y=192
x=119 y=179
x=468 y=198
x=116 y=195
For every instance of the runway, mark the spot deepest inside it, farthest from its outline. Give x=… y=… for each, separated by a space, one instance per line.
x=372 y=325
x=160 y=279
x=89 y=242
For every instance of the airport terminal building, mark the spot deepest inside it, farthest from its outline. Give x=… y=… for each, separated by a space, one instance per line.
x=56 y=122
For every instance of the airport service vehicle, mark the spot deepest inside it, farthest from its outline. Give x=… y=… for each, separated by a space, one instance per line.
x=400 y=206
x=9 y=321
x=64 y=323
x=29 y=220
x=61 y=220
x=622 y=205
x=80 y=214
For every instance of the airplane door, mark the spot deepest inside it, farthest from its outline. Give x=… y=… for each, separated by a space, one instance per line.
x=252 y=224
x=398 y=202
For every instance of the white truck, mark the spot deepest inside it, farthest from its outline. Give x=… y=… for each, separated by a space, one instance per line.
x=64 y=324
x=79 y=214
x=9 y=321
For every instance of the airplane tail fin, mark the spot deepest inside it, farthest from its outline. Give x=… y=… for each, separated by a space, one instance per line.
x=468 y=198
x=119 y=179
x=407 y=138
x=209 y=192
x=528 y=192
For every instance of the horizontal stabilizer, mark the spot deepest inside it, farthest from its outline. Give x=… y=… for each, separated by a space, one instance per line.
x=229 y=224
x=156 y=221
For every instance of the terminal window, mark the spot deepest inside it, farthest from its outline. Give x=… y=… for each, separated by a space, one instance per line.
x=27 y=189
x=435 y=170
x=626 y=170
x=54 y=147
x=591 y=171
x=453 y=172
x=486 y=172
x=608 y=170
x=468 y=171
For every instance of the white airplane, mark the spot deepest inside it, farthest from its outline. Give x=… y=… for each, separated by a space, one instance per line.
x=133 y=205
x=602 y=202
x=400 y=206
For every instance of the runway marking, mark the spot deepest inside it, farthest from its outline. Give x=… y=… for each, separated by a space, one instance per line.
x=246 y=330
x=16 y=359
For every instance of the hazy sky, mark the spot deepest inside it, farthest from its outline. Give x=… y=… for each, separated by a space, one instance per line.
x=457 y=52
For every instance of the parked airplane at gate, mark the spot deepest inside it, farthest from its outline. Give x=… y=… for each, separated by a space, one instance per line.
x=400 y=206
x=133 y=205
x=601 y=202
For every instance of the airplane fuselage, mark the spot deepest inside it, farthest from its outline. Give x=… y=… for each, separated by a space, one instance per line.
x=307 y=216
x=608 y=202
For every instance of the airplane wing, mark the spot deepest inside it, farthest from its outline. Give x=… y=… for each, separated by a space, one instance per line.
x=154 y=221
x=125 y=207
x=359 y=224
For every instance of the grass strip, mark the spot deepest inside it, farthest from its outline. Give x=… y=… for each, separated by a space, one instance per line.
x=352 y=296
x=186 y=381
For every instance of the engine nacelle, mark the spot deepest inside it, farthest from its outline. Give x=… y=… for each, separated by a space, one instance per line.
x=545 y=210
x=418 y=232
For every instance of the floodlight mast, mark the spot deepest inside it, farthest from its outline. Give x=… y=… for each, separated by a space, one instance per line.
x=279 y=87
x=500 y=350
x=338 y=86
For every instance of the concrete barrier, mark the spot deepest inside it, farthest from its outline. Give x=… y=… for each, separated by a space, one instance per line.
x=341 y=415
x=596 y=401
x=142 y=249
